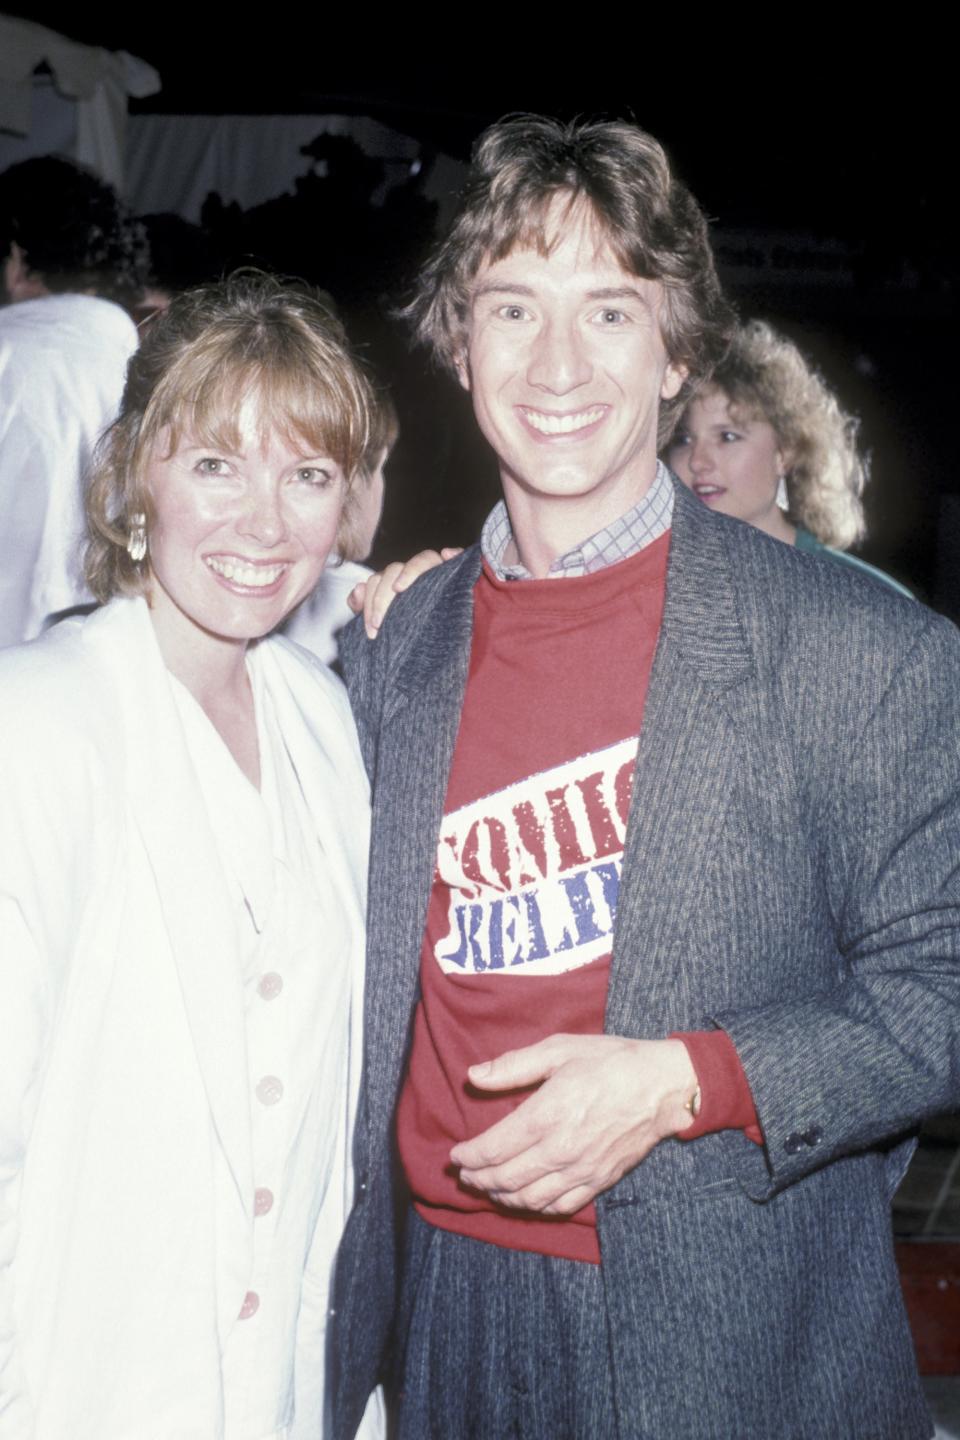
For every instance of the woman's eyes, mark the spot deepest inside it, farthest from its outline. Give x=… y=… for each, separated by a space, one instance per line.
x=682 y=437
x=313 y=475
x=513 y=312
x=610 y=317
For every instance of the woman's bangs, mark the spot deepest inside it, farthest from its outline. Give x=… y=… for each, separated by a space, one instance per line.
x=290 y=402
x=308 y=412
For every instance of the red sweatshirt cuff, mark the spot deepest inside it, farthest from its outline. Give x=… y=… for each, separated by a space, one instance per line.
x=726 y=1102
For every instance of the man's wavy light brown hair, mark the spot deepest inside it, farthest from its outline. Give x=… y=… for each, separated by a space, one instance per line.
x=648 y=218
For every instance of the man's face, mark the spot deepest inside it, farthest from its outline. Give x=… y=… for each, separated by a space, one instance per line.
x=567 y=366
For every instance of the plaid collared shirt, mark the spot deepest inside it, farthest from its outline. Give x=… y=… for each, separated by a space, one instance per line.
x=643 y=523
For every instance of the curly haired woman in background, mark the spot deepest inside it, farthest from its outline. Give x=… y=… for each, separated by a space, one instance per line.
x=766 y=442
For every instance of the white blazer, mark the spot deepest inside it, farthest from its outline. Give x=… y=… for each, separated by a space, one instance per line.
x=126 y=1189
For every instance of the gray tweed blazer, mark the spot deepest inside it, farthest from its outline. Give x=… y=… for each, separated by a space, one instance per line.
x=792 y=874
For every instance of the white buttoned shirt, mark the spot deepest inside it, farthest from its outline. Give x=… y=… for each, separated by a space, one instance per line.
x=296 y=985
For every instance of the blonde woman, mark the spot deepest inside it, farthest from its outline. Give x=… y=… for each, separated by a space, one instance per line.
x=765 y=441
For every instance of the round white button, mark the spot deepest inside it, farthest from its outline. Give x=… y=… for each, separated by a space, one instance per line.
x=262 y=1201
x=270 y=985
x=250 y=1306
x=269 y=1090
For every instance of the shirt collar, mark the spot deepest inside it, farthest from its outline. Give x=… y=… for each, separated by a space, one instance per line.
x=639 y=527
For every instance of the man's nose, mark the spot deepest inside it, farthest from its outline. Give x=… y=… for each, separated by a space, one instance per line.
x=559 y=362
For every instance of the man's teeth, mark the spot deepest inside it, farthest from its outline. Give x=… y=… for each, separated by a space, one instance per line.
x=253 y=576
x=562 y=424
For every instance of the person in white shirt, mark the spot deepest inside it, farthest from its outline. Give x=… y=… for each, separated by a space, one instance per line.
x=183 y=850
x=72 y=258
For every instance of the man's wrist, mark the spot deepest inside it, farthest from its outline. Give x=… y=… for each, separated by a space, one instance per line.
x=682 y=1087
x=725 y=1099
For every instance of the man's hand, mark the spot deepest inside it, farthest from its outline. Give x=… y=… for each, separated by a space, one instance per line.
x=603 y=1105
x=375 y=596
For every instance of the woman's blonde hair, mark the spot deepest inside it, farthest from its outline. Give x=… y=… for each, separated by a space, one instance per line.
x=765 y=377
x=198 y=363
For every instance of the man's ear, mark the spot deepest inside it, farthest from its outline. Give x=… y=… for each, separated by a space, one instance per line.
x=673 y=378
x=462 y=367
x=20 y=281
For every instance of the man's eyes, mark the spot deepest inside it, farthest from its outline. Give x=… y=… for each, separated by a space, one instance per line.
x=607 y=318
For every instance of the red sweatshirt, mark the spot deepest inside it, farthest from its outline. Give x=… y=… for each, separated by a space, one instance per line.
x=521 y=915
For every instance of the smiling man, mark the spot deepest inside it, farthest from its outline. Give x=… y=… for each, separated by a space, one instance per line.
x=665 y=819
x=567 y=367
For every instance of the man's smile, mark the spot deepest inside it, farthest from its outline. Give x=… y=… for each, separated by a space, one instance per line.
x=548 y=422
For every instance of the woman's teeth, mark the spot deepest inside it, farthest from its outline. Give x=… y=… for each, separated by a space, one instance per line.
x=254 y=577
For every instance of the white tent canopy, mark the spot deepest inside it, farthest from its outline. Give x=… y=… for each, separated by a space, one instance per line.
x=174 y=161
x=81 y=111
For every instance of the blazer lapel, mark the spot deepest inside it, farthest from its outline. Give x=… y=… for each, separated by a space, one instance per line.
x=168 y=811
x=421 y=720
x=690 y=748
x=438 y=663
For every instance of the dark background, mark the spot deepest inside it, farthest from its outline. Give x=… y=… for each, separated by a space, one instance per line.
x=840 y=147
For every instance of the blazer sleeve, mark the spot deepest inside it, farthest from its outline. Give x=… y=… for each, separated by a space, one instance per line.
x=47 y=805
x=426 y=626
x=858 y=1065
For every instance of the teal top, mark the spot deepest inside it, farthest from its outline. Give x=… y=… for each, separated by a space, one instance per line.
x=808 y=542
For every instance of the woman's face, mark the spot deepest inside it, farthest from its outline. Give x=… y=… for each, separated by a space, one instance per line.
x=237 y=540
x=732 y=465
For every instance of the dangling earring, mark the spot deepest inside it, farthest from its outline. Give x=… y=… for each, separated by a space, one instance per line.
x=137 y=539
x=782 y=498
